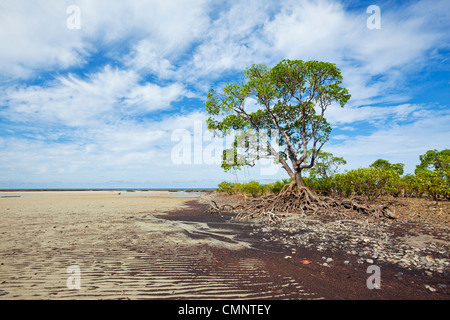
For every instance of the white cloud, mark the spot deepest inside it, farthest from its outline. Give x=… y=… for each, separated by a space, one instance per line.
x=34 y=36
x=146 y=57
x=397 y=142
x=38 y=37
x=348 y=128
x=232 y=42
x=150 y=96
x=340 y=137
x=325 y=30
x=105 y=96
x=336 y=115
x=310 y=30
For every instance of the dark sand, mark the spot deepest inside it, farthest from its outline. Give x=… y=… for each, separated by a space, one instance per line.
x=340 y=281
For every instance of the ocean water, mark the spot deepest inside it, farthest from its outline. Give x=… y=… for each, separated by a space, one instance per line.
x=175 y=192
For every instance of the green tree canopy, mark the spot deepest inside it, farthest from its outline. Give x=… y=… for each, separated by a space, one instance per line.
x=326 y=165
x=386 y=165
x=433 y=173
x=434 y=160
x=291 y=100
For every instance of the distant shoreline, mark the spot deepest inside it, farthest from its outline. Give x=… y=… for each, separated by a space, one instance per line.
x=115 y=189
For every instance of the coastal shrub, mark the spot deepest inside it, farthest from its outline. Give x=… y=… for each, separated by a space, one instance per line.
x=253 y=188
x=322 y=185
x=275 y=187
x=431 y=179
x=321 y=175
x=228 y=187
x=341 y=185
x=433 y=174
x=326 y=165
x=368 y=182
x=434 y=184
x=410 y=186
x=386 y=165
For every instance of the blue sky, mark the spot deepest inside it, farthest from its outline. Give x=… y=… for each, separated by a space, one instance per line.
x=100 y=106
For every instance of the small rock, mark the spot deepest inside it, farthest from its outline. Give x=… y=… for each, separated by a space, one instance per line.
x=430 y=288
x=330 y=260
x=325 y=264
x=369 y=261
x=405 y=261
x=288 y=257
x=346 y=262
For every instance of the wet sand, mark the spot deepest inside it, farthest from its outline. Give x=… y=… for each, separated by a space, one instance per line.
x=44 y=233
x=161 y=245
x=124 y=247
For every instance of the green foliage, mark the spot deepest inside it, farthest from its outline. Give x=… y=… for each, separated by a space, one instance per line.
x=434 y=183
x=291 y=98
x=275 y=187
x=432 y=179
x=433 y=174
x=253 y=188
x=326 y=165
x=340 y=185
x=228 y=187
x=321 y=176
x=411 y=186
x=434 y=160
x=386 y=165
x=370 y=182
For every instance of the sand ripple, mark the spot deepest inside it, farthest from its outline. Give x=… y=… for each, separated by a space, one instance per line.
x=122 y=253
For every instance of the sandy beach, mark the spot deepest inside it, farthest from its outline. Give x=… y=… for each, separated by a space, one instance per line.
x=121 y=247
x=44 y=233
x=165 y=245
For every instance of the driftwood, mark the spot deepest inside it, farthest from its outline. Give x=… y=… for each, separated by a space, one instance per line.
x=300 y=200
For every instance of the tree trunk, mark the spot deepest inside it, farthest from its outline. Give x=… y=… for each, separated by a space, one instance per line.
x=299 y=179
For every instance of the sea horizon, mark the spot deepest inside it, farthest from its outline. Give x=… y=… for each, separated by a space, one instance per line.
x=187 y=189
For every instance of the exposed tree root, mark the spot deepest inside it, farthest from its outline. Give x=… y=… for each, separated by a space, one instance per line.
x=300 y=200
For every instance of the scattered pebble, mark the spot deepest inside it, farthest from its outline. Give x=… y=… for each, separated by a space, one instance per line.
x=430 y=288
x=367 y=242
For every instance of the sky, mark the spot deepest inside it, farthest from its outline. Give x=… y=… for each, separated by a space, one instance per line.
x=111 y=94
